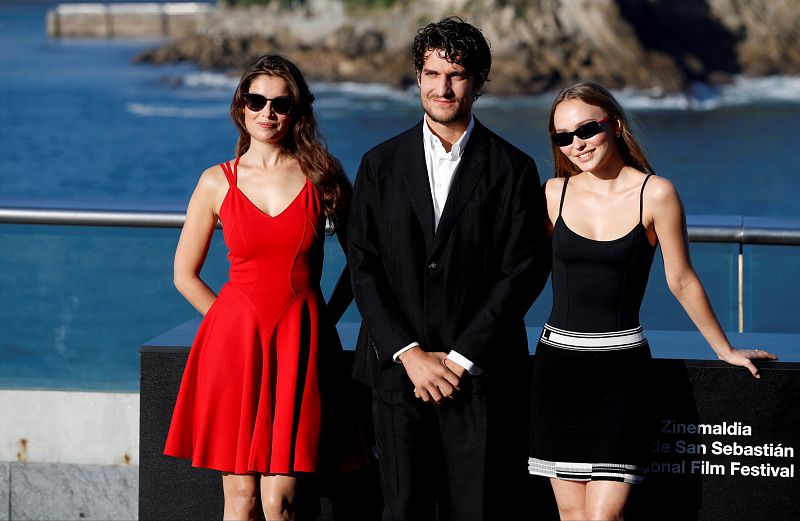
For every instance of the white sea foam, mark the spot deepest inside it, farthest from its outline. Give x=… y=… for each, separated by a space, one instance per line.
x=170 y=111
x=205 y=79
x=742 y=91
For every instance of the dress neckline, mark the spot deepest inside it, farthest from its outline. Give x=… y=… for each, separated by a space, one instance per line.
x=618 y=239
x=235 y=183
x=262 y=212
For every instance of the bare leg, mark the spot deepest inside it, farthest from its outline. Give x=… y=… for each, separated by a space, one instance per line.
x=571 y=499
x=278 y=497
x=605 y=500
x=241 y=494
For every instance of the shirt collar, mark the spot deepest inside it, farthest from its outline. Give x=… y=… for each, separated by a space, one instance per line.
x=457 y=149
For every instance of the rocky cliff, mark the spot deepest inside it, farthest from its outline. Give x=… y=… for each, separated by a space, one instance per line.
x=536 y=44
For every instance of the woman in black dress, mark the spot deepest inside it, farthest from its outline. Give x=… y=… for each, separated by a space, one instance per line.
x=607 y=212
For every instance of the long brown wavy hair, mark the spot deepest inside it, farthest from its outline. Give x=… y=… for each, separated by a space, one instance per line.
x=304 y=141
x=598 y=96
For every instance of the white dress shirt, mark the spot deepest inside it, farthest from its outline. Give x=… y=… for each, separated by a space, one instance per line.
x=442 y=166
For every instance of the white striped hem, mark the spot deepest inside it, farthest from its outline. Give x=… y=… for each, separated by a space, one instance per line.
x=633 y=474
x=578 y=341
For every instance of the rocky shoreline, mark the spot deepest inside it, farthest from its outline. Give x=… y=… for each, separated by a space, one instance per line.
x=537 y=45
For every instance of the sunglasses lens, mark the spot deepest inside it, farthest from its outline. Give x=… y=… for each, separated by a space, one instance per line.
x=588 y=130
x=562 y=139
x=254 y=102
x=257 y=102
x=282 y=105
x=585 y=131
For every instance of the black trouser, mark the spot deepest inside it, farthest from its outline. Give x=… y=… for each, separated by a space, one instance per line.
x=449 y=458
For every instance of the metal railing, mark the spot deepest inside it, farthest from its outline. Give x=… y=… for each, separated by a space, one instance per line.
x=739 y=230
x=702 y=228
x=92 y=217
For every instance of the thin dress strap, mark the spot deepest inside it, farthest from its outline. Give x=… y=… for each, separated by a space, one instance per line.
x=230 y=172
x=563 y=193
x=641 y=198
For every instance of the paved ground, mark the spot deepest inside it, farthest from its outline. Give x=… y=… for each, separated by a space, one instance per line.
x=68 y=492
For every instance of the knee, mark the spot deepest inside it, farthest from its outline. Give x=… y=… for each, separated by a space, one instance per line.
x=277 y=507
x=241 y=499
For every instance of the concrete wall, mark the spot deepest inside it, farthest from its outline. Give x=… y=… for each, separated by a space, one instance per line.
x=69 y=427
x=66 y=492
x=149 y=20
x=69 y=455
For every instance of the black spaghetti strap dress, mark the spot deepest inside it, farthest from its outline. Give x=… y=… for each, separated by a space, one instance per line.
x=589 y=400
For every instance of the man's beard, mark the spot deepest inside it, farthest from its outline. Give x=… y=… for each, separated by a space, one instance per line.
x=450 y=117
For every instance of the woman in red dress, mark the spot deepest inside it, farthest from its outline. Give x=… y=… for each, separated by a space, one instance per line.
x=254 y=394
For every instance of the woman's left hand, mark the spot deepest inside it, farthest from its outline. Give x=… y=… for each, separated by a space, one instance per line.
x=745 y=357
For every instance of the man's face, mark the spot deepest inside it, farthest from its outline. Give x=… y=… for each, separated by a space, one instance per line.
x=446 y=90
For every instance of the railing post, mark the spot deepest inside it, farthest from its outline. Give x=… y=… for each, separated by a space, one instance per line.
x=741 y=286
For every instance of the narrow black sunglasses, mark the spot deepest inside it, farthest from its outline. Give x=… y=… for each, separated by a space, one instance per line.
x=585 y=131
x=256 y=102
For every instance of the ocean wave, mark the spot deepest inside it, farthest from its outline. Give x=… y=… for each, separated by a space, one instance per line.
x=171 y=111
x=365 y=90
x=205 y=79
x=741 y=91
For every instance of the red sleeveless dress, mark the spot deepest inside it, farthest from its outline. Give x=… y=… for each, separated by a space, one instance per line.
x=249 y=400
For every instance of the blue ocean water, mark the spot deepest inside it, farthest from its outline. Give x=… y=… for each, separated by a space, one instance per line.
x=81 y=125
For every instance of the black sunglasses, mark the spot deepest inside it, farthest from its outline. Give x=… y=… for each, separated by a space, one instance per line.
x=256 y=102
x=585 y=131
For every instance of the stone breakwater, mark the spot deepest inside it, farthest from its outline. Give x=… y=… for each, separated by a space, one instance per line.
x=537 y=45
x=143 y=20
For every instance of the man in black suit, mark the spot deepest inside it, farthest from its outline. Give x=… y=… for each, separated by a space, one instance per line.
x=447 y=253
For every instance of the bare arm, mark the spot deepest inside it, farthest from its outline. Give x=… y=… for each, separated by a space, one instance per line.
x=201 y=217
x=552 y=194
x=670 y=225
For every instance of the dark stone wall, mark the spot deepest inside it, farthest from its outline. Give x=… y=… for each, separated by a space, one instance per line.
x=690 y=397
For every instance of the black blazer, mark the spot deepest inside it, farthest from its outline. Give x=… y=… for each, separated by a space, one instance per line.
x=465 y=287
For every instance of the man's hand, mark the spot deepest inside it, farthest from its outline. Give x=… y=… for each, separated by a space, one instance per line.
x=457 y=368
x=432 y=379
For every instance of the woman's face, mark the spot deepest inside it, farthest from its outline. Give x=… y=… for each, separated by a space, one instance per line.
x=591 y=153
x=267 y=125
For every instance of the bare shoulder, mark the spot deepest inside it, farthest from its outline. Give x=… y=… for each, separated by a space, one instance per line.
x=553 y=188
x=212 y=179
x=552 y=196
x=210 y=190
x=212 y=184
x=661 y=203
x=660 y=191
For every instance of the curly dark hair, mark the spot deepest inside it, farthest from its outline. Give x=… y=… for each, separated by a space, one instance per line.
x=460 y=42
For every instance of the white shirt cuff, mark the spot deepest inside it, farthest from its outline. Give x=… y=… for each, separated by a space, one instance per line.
x=396 y=356
x=464 y=362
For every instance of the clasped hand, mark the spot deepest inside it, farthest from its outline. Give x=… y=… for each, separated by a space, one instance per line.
x=434 y=377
